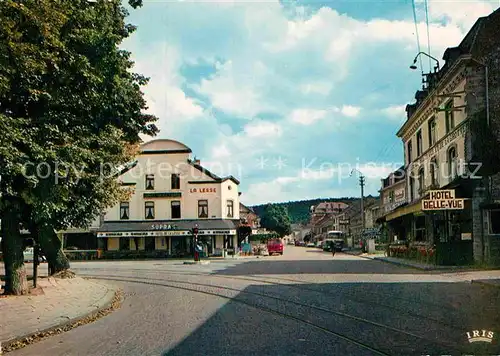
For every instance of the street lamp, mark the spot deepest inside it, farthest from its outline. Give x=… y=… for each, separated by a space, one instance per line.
x=414 y=65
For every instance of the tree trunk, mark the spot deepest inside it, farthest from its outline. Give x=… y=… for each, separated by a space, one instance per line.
x=16 y=281
x=51 y=246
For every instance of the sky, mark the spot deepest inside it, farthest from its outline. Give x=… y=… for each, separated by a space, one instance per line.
x=290 y=97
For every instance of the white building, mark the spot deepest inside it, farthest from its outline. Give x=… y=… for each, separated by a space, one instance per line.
x=171 y=194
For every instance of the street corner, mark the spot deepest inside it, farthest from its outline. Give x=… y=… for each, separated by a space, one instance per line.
x=59 y=306
x=196 y=262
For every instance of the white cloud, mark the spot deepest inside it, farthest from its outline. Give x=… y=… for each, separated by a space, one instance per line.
x=295 y=68
x=350 y=111
x=221 y=151
x=316 y=88
x=307 y=116
x=261 y=128
x=164 y=96
x=397 y=112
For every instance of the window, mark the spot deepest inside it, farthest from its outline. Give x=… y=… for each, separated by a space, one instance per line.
x=391 y=196
x=434 y=168
x=421 y=181
x=230 y=208
x=495 y=222
x=150 y=181
x=149 y=208
x=452 y=163
x=432 y=132
x=176 y=181
x=203 y=208
x=449 y=116
x=419 y=143
x=124 y=244
x=412 y=189
x=176 y=209
x=124 y=210
x=410 y=151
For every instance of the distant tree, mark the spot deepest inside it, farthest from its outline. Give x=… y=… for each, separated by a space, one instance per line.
x=275 y=218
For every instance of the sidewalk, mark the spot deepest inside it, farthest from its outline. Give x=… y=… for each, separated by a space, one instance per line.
x=58 y=302
x=467 y=273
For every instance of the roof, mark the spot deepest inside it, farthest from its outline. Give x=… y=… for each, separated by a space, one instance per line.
x=246 y=208
x=164 y=146
x=210 y=174
x=205 y=224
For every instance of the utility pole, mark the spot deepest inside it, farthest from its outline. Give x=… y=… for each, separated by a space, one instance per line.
x=362 y=185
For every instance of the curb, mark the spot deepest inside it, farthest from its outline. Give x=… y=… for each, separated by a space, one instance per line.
x=113 y=303
x=196 y=262
x=486 y=284
x=401 y=264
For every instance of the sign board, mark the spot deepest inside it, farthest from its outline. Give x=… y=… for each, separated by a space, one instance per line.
x=442 y=200
x=163 y=195
x=344 y=222
x=203 y=190
x=163 y=227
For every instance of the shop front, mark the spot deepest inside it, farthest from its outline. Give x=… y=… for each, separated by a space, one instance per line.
x=436 y=229
x=166 y=238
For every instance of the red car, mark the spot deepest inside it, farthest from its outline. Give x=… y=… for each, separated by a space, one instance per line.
x=275 y=246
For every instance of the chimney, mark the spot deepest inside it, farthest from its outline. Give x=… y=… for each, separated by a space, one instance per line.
x=197 y=161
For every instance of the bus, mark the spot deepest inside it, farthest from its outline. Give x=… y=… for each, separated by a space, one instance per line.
x=337 y=237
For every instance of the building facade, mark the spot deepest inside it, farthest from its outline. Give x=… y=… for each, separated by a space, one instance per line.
x=440 y=146
x=170 y=194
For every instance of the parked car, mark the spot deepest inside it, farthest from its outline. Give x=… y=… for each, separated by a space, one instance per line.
x=310 y=244
x=275 y=246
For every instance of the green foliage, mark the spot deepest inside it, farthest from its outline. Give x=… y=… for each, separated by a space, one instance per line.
x=299 y=211
x=275 y=218
x=69 y=106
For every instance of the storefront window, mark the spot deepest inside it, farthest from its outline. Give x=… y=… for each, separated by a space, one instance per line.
x=495 y=221
x=124 y=244
x=420 y=228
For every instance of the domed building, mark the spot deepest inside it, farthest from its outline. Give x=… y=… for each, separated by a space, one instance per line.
x=171 y=194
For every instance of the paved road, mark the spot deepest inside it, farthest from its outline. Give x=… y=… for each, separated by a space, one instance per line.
x=302 y=303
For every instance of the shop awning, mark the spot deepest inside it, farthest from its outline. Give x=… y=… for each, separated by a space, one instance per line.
x=404 y=210
x=167 y=227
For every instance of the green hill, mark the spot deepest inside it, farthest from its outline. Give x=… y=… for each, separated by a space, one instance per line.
x=299 y=211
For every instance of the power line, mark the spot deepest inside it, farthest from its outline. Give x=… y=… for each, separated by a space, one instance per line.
x=416 y=32
x=428 y=36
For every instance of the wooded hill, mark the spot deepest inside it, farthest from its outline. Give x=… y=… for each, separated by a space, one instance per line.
x=299 y=211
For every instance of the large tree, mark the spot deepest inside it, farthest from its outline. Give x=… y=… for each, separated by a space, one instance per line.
x=275 y=218
x=71 y=112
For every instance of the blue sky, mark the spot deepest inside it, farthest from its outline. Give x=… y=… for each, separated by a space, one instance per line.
x=290 y=96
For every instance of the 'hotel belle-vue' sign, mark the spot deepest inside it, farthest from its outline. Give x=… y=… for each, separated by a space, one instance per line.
x=442 y=200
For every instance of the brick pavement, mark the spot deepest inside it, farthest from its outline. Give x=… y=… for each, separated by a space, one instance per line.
x=60 y=301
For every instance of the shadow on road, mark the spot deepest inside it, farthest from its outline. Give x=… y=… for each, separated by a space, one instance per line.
x=435 y=317
x=315 y=267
